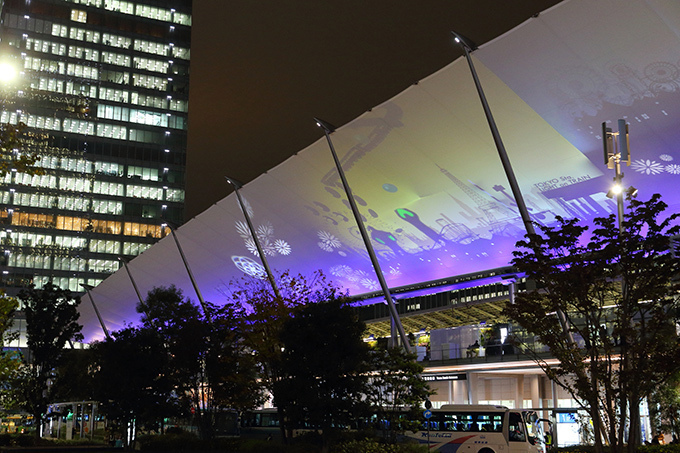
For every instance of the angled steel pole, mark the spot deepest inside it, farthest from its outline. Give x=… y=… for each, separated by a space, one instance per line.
x=96 y=310
x=469 y=46
x=327 y=129
x=270 y=275
x=132 y=280
x=191 y=275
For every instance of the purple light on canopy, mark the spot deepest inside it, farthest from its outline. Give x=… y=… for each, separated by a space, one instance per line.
x=425 y=173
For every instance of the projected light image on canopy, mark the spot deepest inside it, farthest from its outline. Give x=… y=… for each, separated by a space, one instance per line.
x=425 y=173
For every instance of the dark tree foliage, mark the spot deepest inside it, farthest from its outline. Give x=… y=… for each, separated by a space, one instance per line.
x=621 y=279
x=206 y=362
x=324 y=366
x=396 y=389
x=15 y=156
x=230 y=368
x=9 y=360
x=264 y=314
x=51 y=323
x=130 y=379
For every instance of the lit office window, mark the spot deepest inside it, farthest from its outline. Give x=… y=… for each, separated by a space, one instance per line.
x=119 y=6
x=152 y=47
x=85 y=72
x=145 y=136
x=108 y=168
x=107 y=206
x=75 y=184
x=83 y=89
x=41 y=122
x=44 y=65
x=179 y=105
x=151 y=65
x=8 y=117
x=78 y=126
x=181 y=18
x=181 y=52
x=83 y=53
x=116 y=58
x=113 y=112
x=111 y=131
x=108 y=188
x=84 y=35
x=59 y=30
x=154 y=193
x=151 y=82
x=116 y=41
x=45 y=84
x=147 y=174
x=153 y=12
x=78 y=15
x=73 y=203
x=142 y=229
x=70 y=242
x=174 y=195
x=134 y=248
x=104 y=266
x=149 y=118
x=106 y=226
x=29 y=261
x=148 y=101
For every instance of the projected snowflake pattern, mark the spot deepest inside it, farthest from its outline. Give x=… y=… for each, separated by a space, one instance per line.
x=265 y=234
x=249 y=266
x=666 y=157
x=325 y=247
x=394 y=271
x=341 y=270
x=649 y=167
x=370 y=284
x=673 y=169
x=328 y=242
x=282 y=247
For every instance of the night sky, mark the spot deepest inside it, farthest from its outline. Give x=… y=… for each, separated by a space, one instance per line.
x=262 y=70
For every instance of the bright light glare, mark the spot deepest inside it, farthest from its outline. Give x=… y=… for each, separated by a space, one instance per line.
x=457 y=39
x=617 y=189
x=7 y=72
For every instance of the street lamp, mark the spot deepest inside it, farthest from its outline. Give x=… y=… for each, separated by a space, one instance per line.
x=8 y=72
x=616 y=146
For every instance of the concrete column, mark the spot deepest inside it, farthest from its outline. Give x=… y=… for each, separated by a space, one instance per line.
x=472 y=381
x=519 y=392
x=535 y=391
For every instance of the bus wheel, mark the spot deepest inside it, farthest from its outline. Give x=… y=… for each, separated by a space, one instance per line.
x=486 y=450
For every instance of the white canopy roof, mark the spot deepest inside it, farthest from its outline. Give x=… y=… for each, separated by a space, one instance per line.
x=426 y=174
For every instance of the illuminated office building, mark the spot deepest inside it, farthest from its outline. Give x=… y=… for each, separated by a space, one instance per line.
x=102 y=87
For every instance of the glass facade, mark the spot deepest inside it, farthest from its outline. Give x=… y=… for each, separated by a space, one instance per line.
x=102 y=88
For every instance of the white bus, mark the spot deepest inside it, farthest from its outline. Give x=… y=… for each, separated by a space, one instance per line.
x=466 y=428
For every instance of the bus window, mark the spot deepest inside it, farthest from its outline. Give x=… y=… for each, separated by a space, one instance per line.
x=516 y=428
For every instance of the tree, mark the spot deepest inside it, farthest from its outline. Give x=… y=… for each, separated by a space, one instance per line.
x=130 y=379
x=9 y=361
x=13 y=155
x=664 y=407
x=51 y=322
x=618 y=293
x=207 y=366
x=264 y=315
x=398 y=390
x=323 y=368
